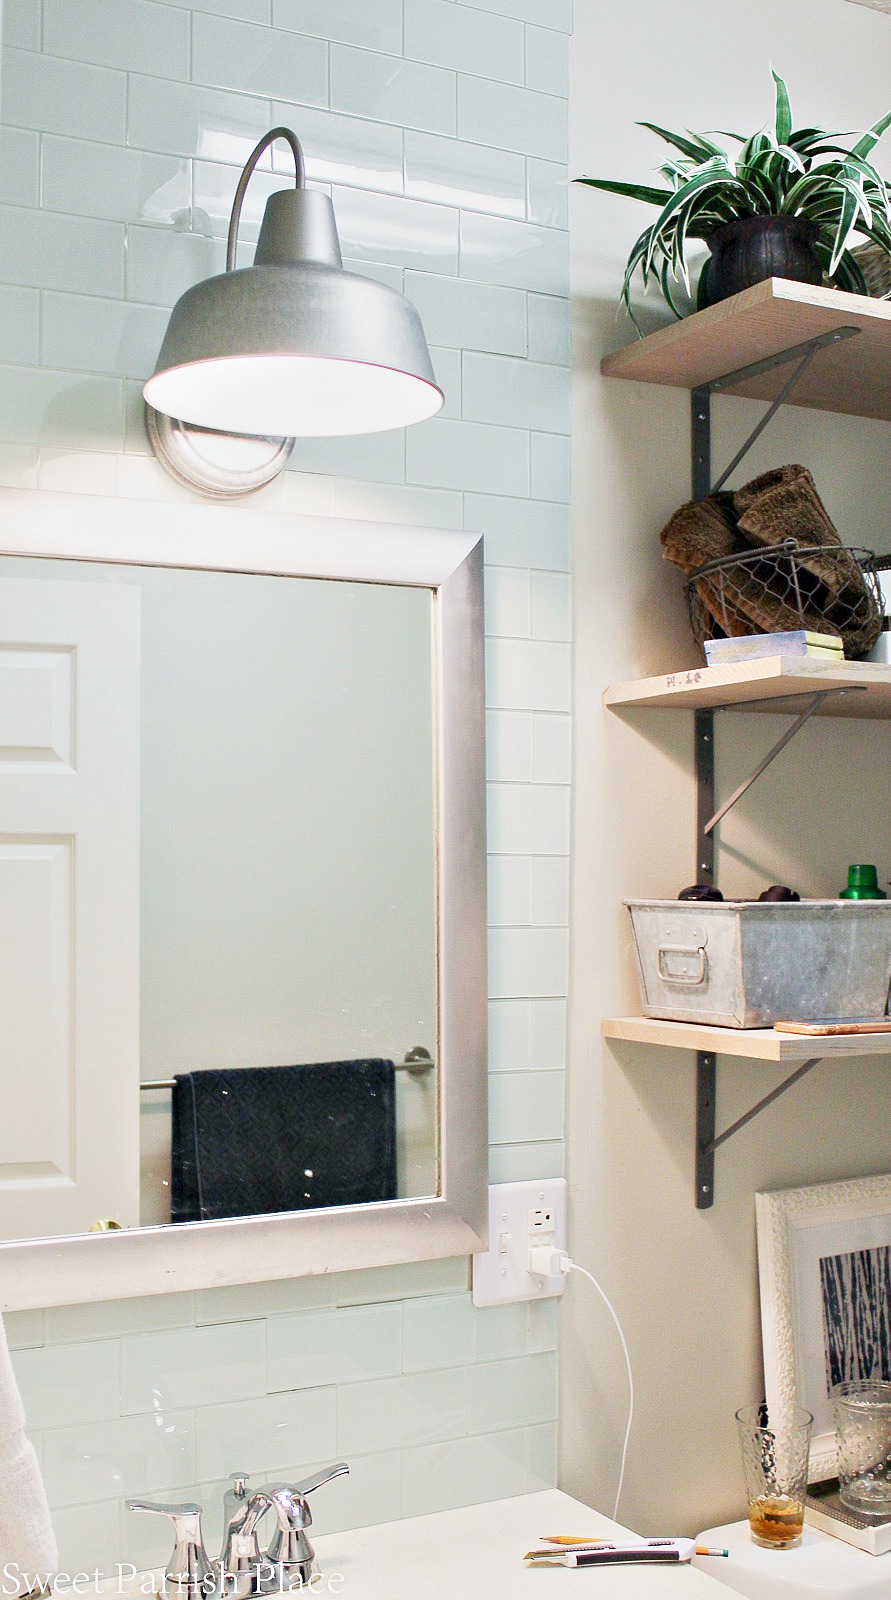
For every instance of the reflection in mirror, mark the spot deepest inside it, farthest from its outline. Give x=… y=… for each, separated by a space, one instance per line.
x=217 y=852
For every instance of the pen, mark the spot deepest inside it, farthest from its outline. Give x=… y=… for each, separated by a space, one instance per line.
x=606 y=1553
x=594 y=1544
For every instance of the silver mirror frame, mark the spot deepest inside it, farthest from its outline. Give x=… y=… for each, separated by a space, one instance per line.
x=114 y=1265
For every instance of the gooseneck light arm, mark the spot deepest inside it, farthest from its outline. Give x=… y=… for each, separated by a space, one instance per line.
x=300 y=169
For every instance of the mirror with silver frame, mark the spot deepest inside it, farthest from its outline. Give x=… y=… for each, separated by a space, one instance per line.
x=241 y=827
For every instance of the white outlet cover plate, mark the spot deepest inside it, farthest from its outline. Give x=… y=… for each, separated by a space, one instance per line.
x=500 y=1274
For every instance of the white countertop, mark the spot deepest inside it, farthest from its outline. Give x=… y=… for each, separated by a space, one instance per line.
x=477 y=1552
x=820 y=1566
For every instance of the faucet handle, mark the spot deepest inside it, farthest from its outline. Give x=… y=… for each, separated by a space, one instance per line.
x=188 y=1566
x=324 y=1476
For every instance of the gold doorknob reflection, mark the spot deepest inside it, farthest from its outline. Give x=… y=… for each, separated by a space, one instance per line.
x=105 y=1225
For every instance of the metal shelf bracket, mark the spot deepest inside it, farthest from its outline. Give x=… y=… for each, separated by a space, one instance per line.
x=701 y=404
x=707 y=1140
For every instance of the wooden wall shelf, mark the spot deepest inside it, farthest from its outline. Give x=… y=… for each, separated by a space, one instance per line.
x=754 y=685
x=762 y=322
x=753 y=1044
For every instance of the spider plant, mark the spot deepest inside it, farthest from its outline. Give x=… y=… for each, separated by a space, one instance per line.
x=804 y=172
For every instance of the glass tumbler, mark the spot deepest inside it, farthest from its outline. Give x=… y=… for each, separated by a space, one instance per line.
x=774 y=1461
x=863 y=1425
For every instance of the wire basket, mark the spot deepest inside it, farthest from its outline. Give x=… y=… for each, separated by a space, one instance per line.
x=827 y=588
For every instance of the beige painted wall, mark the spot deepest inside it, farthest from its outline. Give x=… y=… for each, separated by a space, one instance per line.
x=685 y=1282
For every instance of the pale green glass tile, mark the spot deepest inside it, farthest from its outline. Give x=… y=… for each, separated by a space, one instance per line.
x=438 y=1333
x=66 y=1384
x=110 y=1318
x=21 y=24
x=528 y=1106
x=528 y=675
x=388 y=228
x=514 y=254
x=508 y=760
x=130 y=33
x=57 y=96
x=463 y=1472
x=507 y=1394
x=97 y=180
x=192 y=1366
x=376 y=456
x=547 y=13
x=547 y=193
x=19 y=325
x=453 y=173
x=373 y=25
x=271 y=1434
x=521 y=533
x=446 y=35
x=550 y=335
x=389 y=89
x=190 y=120
x=512 y=118
x=469 y=316
x=350 y=151
x=402 y=1282
x=19 y=167
x=85 y=1534
x=541 y=1457
x=39 y=406
x=47 y=250
x=542 y=1317
x=501 y=1332
x=521 y=394
x=551 y=478
x=342 y=1345
x=526 y=961
x=398 y=502
x=257 y=60
x=23 y=1329
x=547 y=61
x=151 y=1455
x=517 y=1163
x=469 y=456
x=109 y=336
x=510 y=1021
x=163 y=264
x=241 y=1302
x=395 y=1413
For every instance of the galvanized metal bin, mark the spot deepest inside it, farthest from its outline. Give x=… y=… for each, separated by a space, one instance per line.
x=745 y=964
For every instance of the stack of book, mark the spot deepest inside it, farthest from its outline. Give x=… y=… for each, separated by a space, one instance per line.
x=798 y=642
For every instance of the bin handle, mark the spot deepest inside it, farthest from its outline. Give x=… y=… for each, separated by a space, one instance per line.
x=682 y=950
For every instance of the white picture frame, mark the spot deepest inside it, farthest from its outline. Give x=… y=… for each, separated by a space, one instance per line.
x=798 y=1229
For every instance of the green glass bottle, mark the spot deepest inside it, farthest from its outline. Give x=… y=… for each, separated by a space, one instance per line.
x=863 y=884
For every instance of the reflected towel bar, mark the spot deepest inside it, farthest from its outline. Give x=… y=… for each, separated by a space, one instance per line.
x=417 y=1062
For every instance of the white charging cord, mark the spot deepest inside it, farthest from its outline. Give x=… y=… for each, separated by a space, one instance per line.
x=547 y=1262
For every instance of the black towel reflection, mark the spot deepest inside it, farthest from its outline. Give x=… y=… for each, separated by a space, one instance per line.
x=250 y=1140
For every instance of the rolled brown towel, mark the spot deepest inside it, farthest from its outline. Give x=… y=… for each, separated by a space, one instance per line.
x=701 y=530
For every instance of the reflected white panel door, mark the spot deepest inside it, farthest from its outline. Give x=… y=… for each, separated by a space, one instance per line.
x=69 y=906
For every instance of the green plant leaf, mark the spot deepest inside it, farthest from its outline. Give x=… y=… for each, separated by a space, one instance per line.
x=783 y=110
x=690 y=144
x=871 y=139
x=633 y=191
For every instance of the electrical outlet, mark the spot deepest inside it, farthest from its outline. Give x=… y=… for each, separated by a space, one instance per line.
x=522 y=1216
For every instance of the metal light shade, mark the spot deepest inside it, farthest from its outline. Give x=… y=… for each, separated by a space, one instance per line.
x=294 y=345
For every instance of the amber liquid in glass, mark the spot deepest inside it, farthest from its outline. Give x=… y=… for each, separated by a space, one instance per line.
x=776 y=1520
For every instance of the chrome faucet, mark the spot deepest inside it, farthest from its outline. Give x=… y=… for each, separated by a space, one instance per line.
x=243 y=1569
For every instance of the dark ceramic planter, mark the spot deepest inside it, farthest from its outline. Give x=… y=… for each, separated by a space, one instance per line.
x=750 y=249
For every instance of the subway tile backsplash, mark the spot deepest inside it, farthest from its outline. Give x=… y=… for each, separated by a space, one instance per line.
x=439 y=127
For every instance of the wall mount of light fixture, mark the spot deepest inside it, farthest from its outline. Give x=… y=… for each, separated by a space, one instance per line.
x=293 y=346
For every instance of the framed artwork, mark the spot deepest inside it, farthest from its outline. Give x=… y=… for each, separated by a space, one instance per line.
x=824 y=1264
